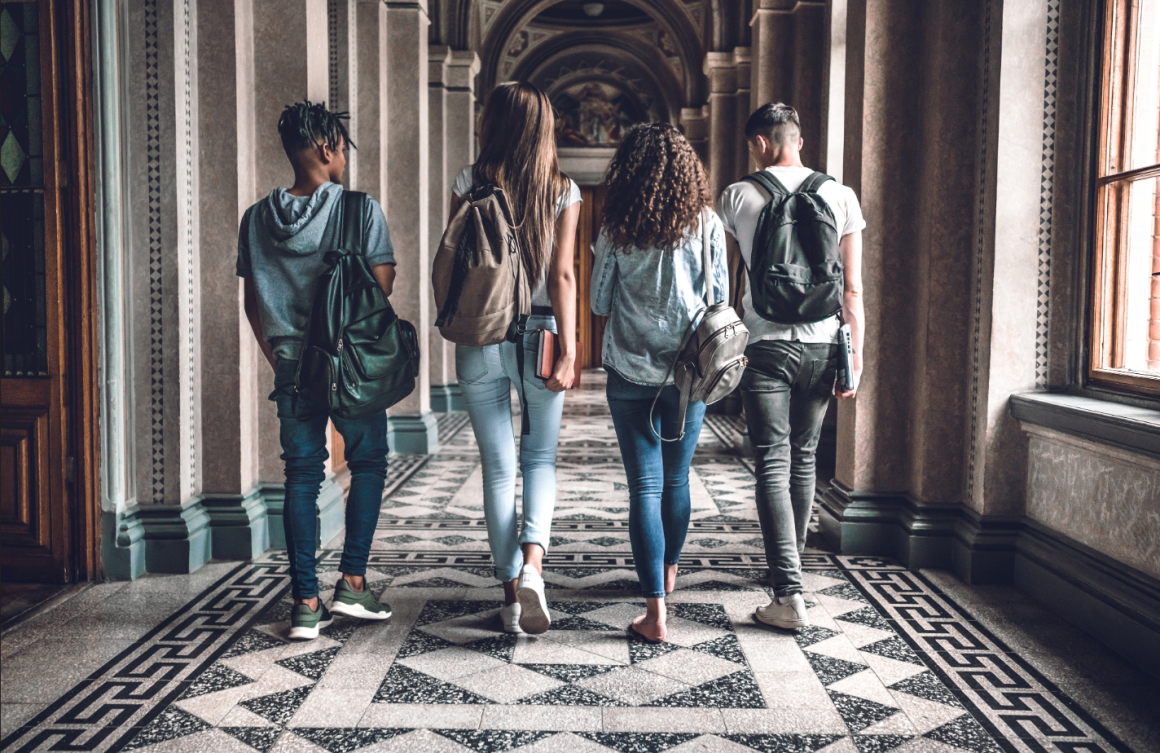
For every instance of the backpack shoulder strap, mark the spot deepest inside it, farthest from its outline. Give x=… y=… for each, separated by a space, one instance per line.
x=769 y=183
x=353 y=206
x=814 y=182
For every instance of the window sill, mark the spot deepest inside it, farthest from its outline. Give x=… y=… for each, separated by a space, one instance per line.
x=1126 y=426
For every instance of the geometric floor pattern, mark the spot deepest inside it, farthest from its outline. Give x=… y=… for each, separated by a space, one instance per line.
x=889 y=663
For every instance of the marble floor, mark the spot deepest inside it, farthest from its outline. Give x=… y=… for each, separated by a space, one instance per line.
x=895 y=660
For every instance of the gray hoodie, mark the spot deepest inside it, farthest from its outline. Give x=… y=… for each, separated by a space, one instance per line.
x=281 y=244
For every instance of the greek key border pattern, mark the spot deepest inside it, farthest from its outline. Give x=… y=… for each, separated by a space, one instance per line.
x=1046 y=197
x=105 y=711
x=156 y=280
x=1009 y=697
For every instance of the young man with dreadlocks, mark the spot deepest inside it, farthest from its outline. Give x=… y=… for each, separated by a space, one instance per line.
x=281 y=245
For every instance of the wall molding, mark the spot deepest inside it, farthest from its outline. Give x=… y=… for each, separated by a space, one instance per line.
x=447 y=397
x=177 y=538
x=239 y=524
x=413 y=434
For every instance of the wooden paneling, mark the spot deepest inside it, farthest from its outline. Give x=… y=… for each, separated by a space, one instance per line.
x=25 y=515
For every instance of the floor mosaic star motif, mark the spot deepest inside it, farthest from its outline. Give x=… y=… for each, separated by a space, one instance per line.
x=889 y=663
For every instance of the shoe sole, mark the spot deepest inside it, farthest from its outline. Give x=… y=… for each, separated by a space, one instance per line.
x=784 y=624
x=534 y=617
x=359 y=611
x=308 y=634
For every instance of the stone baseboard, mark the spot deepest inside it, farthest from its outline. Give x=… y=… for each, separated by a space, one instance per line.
x=177 y=538
x=417 y=435
x=122 y=544
x=447 y=397
x=239 y=524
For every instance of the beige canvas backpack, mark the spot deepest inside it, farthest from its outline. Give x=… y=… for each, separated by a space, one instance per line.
x=481 y=291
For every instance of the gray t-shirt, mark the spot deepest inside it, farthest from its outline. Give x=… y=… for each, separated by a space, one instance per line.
x=281 y=245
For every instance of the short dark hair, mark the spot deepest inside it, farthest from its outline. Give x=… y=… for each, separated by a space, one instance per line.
x=775 y=121
x=306 y=124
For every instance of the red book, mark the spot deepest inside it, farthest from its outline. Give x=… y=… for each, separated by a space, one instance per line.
x=548 y=352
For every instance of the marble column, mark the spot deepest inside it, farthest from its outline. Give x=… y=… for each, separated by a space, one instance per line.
x=901 y=446
x=230 y=390
x=772 y=51
x=743 y=59
x=458 y=128
x=370 y=117
x=721 y=71
x=343 y=74
x=164 y=277
x=442 y=362
x=291 y=64
x=695 y=125
x=412 y=425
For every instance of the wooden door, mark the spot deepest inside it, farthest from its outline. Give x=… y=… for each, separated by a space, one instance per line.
x=46 y=345
x=589 y=327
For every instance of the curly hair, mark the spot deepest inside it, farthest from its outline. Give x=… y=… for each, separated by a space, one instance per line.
x=656 y=189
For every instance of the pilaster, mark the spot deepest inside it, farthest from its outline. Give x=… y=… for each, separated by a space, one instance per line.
x=743 y=60
x=408 y=212
x=721 y=70
x=695 y=122
x=442 y=357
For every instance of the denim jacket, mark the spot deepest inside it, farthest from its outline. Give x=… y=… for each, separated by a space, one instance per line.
x=650 y=296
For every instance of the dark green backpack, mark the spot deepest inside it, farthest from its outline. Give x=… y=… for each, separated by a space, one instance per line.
x=358 y=357
x=795 y=272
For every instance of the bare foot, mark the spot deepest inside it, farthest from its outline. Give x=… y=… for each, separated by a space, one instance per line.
x=652 y=628
x=670 y=578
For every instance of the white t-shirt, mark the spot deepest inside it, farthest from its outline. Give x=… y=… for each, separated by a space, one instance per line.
x=462 y=186
x=741 y=205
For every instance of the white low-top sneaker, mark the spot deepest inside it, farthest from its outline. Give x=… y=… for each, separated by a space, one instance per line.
x=787 y=612
x=510 y=617
x=534 y=617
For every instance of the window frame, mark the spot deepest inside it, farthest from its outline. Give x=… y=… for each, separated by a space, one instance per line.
x=1119 y=40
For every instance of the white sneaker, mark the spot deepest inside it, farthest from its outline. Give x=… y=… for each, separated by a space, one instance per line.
x=534 y=617
x=510 y=617
x=787 y=612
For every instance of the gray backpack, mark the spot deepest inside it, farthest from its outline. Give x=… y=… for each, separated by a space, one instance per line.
x=711 y=361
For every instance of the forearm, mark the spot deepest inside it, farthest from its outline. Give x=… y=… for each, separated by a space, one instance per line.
x=854 y=315
x=562 y=293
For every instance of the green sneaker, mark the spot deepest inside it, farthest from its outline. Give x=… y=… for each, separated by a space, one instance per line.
x=305 y=624
x=361 y=604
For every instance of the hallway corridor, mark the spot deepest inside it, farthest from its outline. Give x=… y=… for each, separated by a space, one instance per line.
x=894 y=660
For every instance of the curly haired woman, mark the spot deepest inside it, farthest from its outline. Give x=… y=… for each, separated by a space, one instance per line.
x=649 y=279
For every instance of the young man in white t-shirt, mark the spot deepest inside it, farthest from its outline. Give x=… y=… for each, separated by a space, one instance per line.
x=792 y=368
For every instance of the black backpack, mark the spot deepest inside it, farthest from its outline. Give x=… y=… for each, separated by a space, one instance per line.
x=358 y=357
x=795 y=273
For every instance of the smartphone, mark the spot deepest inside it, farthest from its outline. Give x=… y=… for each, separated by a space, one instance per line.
x=846 y=376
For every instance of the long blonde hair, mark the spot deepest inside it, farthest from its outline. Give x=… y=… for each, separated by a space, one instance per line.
x=517 y=152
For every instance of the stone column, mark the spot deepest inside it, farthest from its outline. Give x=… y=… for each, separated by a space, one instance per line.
x=412 y=425
x=165 y=281
x=370 y=120
x=459 y=150
x=807 y=95
x=230 y=389
x=695 y=124
x=900 y=476
x=772 y=52
x=291 y=63
x=742 y=58
x=721 y=70
x=442 y=357
x=343 y=75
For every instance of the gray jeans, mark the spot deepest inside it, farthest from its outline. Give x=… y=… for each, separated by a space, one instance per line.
x=786 y=388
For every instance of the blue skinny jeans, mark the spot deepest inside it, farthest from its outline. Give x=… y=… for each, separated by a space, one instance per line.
x=303 y=435
x=486 y=376
x=658 y=474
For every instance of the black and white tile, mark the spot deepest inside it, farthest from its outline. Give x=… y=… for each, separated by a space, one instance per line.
x=890 y=662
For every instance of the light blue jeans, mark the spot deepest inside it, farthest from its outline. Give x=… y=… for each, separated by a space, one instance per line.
x=485 y=377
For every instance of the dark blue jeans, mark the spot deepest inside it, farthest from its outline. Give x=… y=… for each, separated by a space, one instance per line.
x=303 y=434
x=786 y=389
x=658 y=474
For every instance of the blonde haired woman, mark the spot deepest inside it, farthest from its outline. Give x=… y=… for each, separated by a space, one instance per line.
x=518 y=154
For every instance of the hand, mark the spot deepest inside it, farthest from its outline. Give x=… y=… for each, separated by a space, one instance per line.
x=564 y=373
x=841 y=393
